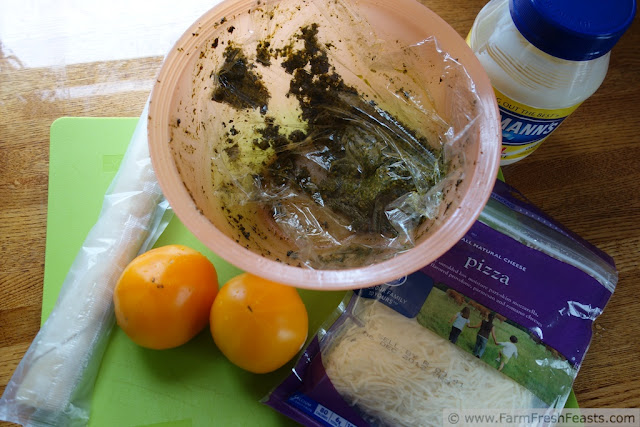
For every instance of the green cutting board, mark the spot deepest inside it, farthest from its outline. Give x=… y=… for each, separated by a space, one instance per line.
x=193 y=385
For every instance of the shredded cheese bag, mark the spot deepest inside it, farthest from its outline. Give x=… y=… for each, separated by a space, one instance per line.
x=402 y=374
x=501 y=322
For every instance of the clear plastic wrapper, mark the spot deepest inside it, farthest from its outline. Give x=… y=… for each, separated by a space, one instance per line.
x=53 y=383
x=323 y=133
x=502 y=321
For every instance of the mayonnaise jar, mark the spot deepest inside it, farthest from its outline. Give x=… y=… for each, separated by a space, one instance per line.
x=544 y=58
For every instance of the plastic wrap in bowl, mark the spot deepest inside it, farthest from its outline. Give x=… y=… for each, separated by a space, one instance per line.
x=324 y=144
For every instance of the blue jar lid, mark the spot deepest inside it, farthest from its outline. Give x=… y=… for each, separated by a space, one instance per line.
x=576 y=30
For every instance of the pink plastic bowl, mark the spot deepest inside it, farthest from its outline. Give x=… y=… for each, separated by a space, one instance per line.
x=183 y=175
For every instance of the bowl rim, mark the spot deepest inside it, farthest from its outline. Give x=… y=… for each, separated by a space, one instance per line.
x=449 y=233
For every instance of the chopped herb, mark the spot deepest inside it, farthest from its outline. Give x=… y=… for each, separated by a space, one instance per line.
x=352 y=157
x=238 y=85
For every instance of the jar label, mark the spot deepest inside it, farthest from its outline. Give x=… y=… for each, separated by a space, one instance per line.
x=524 y=128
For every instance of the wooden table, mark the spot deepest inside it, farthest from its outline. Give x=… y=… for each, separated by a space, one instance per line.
x=587 y=175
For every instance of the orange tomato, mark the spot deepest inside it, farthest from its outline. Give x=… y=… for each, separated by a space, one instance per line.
x=259 y=325
x=164 y=296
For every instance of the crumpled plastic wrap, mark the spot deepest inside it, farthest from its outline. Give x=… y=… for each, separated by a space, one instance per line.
x=323 y=132
x=53 y=383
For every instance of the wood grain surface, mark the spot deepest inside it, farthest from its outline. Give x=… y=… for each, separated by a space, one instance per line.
x=587 y=176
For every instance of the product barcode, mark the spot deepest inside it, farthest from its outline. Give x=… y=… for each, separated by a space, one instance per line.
x=318 y=411
x=331 y=417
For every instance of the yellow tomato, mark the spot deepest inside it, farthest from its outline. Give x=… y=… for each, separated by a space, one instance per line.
x=257 y=324
x=164 y=296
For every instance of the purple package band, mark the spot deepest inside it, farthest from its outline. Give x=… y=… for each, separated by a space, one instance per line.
x=546 y=296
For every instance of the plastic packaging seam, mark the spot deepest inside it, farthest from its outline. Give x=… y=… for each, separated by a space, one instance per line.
x=550 y=242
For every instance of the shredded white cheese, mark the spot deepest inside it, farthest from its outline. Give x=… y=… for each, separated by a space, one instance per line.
x=402 y=374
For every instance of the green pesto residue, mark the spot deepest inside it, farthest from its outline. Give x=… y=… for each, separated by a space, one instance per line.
x=352 y=158
x=238 y=84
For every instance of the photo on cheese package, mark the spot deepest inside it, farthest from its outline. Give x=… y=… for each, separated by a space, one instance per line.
x=497 y=341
